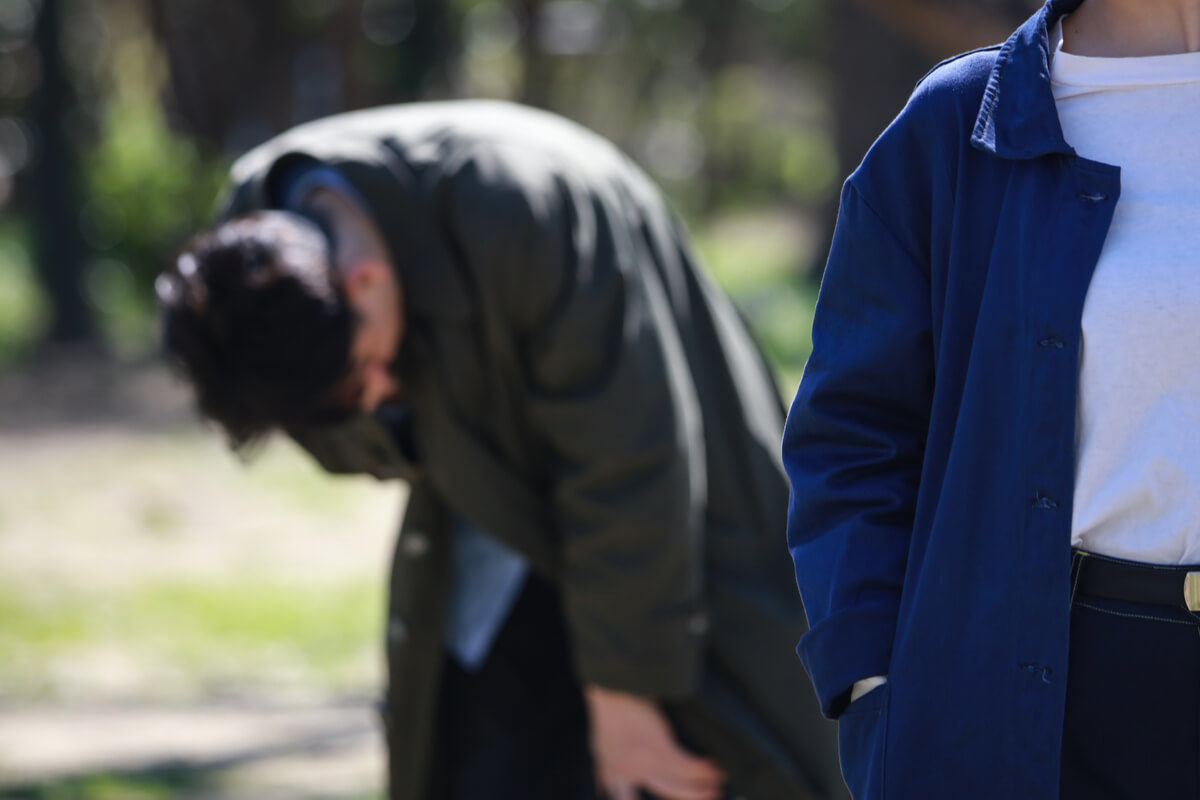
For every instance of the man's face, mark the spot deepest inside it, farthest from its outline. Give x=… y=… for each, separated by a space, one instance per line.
x=374 y=293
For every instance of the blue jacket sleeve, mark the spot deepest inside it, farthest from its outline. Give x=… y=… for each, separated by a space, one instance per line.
x=853 y=448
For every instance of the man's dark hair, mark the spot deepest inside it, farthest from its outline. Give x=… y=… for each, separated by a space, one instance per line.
x=255 y=315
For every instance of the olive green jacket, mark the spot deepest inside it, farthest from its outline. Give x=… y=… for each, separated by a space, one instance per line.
x=583 y=392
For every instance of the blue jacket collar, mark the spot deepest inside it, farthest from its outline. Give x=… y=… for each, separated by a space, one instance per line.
x=1018 y=117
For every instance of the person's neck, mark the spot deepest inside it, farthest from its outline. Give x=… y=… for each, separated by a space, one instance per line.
x=1128 y=28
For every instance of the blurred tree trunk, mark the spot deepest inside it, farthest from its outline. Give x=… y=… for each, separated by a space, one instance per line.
x=874 y=70
x=717 y=23
x=427 y=54
x=230 y=65
x=536 y=77
x=881 y=48
x=943 y=28
x=60 y=250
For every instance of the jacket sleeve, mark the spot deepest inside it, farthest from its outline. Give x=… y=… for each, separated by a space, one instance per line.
x=612 y=410
x=854 y=445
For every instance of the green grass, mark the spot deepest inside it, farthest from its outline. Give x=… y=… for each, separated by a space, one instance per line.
x=297 y=482
x=218 y=633
x=98 y=787
x=184 y=564
x=176 y=783
x=315 y=626
x=103 y=787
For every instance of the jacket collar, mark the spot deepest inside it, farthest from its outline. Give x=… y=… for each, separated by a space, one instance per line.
x=393 y=189
x=1018 y=118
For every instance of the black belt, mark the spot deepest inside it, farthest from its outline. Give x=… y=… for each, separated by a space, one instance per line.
x=1134 y=582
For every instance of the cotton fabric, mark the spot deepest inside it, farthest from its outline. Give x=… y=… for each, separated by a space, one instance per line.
x=1137 y=484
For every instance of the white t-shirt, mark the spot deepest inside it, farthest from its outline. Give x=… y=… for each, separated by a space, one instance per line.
x=1137 y=482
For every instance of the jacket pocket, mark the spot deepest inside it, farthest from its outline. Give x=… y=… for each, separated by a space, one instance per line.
x=862 y=742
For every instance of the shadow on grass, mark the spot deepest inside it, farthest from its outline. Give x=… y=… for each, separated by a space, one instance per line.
x=166 y=781
x=180 y=779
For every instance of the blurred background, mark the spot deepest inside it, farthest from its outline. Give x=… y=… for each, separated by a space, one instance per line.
x=176 y=624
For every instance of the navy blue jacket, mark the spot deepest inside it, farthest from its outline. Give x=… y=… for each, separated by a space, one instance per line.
x=931 y=443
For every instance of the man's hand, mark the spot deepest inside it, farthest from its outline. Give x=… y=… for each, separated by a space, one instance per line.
x=634 y=749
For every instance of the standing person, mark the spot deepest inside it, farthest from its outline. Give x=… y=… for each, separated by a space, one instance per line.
x=993 y=451
x=496 y=305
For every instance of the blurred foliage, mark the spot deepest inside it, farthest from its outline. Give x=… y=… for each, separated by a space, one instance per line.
x=731 y=106
x=147 y=188
x=760 y=258
x=725 y=104
x=22 y=309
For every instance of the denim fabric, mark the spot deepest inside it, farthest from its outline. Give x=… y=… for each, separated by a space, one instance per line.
x=931 y=442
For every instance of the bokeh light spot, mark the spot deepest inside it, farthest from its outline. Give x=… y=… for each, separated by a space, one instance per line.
x=15 y=146
x=572 y=27
x=491 y=30
x=388 y=22
x=674 y=149
x=16 y=20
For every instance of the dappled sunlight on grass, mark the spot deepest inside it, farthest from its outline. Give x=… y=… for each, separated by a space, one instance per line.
x=157 y=565
x=172 y=639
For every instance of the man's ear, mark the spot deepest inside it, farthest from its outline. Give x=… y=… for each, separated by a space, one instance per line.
x=363 y=277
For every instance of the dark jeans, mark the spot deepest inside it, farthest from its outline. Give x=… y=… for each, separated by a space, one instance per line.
x=1132 y=727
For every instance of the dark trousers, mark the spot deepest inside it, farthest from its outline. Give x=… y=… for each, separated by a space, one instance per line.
x=1132 y=726
x=516 y=729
